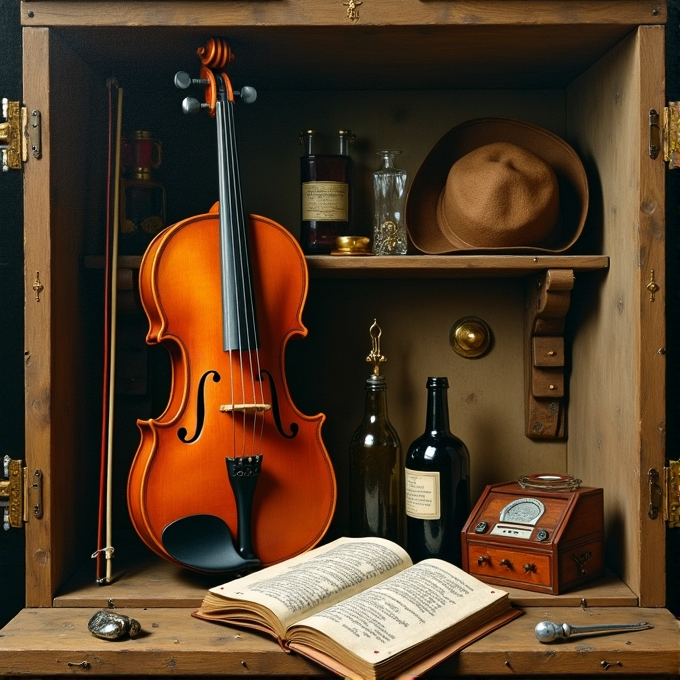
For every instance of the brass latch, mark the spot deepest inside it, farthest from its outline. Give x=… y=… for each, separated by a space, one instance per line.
x=664 y=494
x=18 y=493
x=19 y=132
x=665 y=134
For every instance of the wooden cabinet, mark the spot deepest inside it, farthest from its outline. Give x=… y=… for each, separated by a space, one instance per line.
x=400 y=74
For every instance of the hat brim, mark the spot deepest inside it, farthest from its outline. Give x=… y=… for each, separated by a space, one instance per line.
x=423 y=197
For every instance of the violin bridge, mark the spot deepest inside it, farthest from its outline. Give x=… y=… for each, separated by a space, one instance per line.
x=244 y=408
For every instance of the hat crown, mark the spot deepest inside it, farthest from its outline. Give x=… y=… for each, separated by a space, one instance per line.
x=500 y=195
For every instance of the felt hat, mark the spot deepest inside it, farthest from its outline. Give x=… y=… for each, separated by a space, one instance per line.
x=496 y=184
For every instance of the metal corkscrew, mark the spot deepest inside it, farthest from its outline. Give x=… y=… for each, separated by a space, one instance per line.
x=549 y=631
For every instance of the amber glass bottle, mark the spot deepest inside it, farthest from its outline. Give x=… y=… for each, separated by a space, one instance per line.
x=326 y=193
x=376 y=463
x=437 y=484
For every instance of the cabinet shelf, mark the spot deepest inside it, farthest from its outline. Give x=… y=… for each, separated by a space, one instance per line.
x=141 y=579
x=448 y=266
x=421 y=266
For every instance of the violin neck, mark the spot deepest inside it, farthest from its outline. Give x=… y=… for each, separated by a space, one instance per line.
x=238 y=300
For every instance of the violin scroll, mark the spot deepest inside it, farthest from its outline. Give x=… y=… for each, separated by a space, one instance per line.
x=215 y=54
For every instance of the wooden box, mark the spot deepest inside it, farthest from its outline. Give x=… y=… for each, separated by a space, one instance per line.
x=400 y=74
x=547 y=541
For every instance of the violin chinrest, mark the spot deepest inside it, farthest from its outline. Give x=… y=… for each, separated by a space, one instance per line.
x=204 y=543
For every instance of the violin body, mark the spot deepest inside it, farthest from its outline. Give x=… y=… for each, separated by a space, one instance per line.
x=179 y=469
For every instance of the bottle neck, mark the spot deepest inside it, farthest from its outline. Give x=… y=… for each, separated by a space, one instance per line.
x=345 y=138
x=376 y=398
x=387 y=158
x=307 y=141
x=437 y=418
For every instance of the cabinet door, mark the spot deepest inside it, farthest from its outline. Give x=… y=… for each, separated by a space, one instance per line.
x=617 y=402
x=60 y=441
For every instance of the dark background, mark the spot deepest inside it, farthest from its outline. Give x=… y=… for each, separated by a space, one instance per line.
x=11 y=315
x=12 y=298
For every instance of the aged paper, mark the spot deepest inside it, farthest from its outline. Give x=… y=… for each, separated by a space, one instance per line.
x=407 y=609
x=308 y=583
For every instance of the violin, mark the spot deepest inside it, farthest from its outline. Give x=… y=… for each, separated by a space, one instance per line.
x=231 y=476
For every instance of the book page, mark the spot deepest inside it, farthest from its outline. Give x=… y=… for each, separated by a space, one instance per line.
x=410 y=608
x=305 y=584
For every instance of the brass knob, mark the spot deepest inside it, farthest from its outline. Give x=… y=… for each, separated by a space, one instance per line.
x=470 y=337
x=482 y=559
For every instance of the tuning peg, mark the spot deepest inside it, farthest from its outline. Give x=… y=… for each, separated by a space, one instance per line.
x=183 y=80
x=248 y=94
x=192 y=105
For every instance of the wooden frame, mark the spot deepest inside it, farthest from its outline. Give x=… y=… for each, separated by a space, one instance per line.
x=588 y=71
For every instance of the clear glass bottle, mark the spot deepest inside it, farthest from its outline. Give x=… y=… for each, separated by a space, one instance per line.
x=389 y=188
x=142 y=198
x=437 y=478
x=326 y=193
x=376 y=463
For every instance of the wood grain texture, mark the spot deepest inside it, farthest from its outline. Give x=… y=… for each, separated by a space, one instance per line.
x=324 y=12
x=174 y=643
x=447 y=266
x=38 y=321
x=143 y=581
x=617 y=360
x=58 y=200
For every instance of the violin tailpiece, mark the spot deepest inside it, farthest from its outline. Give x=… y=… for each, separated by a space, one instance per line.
x=243 y=475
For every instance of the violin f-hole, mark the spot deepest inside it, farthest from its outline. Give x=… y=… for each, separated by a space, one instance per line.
x=200 y=409
x=294 y=427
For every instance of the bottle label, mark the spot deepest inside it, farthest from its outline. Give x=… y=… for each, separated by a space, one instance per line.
x=325 y=201
x=422 y=494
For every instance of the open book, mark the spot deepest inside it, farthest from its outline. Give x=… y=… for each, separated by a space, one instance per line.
x=360 y=608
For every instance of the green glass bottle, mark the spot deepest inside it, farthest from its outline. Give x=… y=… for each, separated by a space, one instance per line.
x=437 y=493
x=376 y=462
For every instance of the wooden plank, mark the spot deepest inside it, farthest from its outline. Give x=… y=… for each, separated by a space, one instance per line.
x=56 y=642
x=324 y=12
x=143 y=581
x=607 y=592
x=38 y=315
x=651 y=269
x=428 y=266
x=61 y=192
x=617 y=393
x=514 y=649
x=443 y=266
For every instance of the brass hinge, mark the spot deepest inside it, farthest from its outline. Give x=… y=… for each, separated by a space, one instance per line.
x=18 y=493
x=664 y=133
x=664 y=494
x=19 y=132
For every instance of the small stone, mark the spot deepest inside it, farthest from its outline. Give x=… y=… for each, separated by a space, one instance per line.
x=108 y=625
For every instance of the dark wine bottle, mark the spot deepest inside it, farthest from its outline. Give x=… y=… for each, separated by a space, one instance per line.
x=326 y=198
x=437 y=484
x=376 y=463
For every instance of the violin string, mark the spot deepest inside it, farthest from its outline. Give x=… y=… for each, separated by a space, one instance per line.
x=247 y=288
x=234 y=233
x=224 y=221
